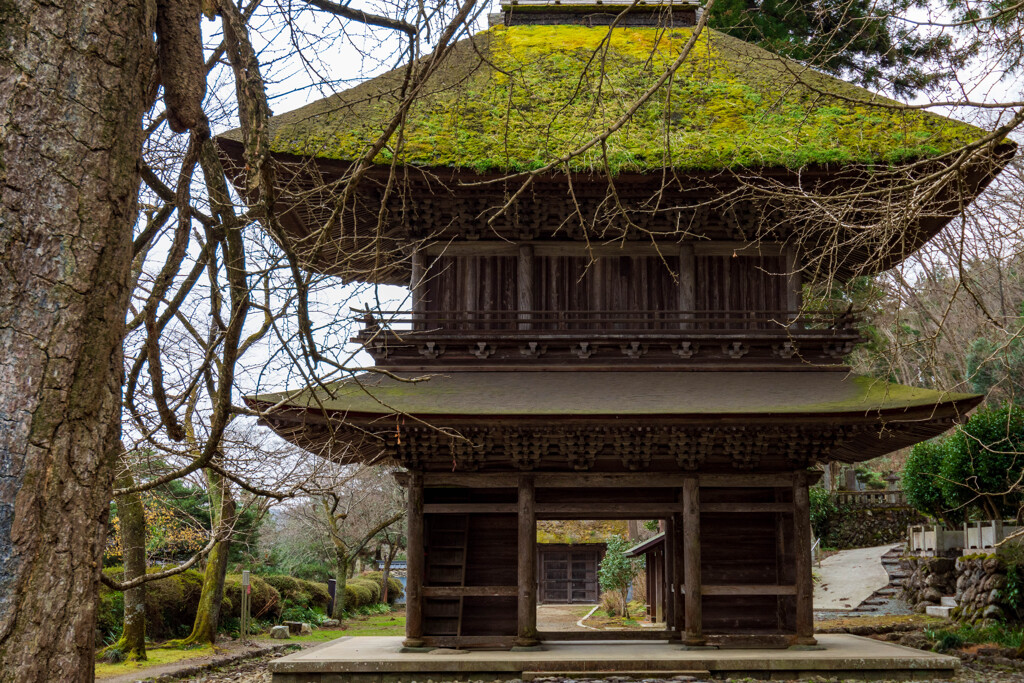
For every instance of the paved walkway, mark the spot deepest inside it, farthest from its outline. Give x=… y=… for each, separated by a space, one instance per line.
x=850 y=577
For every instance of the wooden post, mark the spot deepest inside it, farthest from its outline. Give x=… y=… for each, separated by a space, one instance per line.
x=527 y=635
x=694 y=629
x=525 y=283
x=687 y=281
x=802 y=556
x=415 y=556
x=672 y=603
x=418 y=285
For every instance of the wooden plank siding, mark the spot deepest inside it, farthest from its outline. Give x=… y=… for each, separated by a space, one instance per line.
x=732 y=551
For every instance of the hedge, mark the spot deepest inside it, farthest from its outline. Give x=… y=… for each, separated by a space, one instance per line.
x=171 y=603
x=266 y=602
x=395 y=589
x=299 y=592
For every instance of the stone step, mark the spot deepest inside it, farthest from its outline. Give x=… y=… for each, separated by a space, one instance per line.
x=948 y=601
x=938 y=611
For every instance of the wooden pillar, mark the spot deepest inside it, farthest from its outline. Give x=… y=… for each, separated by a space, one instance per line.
x=525 y=284
x=673 y=605
x=527 y=634
x=415 y=555
x=802 y=556
x=687 y=281
x=693 y=634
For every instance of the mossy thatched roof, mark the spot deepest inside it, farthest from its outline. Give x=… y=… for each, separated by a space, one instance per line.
x=514 y=98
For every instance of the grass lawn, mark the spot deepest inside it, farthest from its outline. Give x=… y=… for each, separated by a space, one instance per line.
x=392 y=624
x=155 y=657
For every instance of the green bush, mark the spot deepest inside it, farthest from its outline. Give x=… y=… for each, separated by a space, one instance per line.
x=823 y=510
x=171 y=605
x=299 y=592
x=394 y=585
x=372 y=586
x=265 y=600
x=357 y=595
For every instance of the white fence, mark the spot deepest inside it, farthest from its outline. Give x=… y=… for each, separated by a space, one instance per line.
x=983 y=536
x=974 y=537
x=933 y=539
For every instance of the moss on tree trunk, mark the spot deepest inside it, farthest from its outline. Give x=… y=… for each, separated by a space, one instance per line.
x=204 y=629
x=132 y=516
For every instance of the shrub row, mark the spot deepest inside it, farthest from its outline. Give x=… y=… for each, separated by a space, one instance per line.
x=299 y=592
x=171 y=603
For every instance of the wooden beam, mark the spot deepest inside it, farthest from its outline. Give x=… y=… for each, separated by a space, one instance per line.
x=527 y=607
x=469 y=508
x=802 y=556
x=606 y=480
x=601 y=510
x=693 y=634
x=525 y=283
x=469 y=591
x=730 y=247
x=415 y=556
x=748 y=589
x=746 y=507
x=745 y=480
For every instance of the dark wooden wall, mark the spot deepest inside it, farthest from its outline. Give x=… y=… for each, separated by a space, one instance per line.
x=741 y=283
x=608 y=283
x=747 y=549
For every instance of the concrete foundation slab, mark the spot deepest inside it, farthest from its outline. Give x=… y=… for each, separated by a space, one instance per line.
x=377 y=660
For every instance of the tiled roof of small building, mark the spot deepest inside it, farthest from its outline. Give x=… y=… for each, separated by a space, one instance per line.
x=519 y=97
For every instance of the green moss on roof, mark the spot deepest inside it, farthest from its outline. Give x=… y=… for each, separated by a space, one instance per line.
x=616 y=393
x=515 y=98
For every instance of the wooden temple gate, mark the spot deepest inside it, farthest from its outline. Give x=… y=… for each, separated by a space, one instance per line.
x=738 y=568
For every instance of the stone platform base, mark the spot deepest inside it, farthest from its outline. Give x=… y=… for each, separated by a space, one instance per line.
x=377 y=660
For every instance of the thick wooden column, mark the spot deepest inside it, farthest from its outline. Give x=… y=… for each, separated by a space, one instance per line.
x=527 y=634
x=525 y=283
x=414 y=566
x=802 y=556
x=693 y=634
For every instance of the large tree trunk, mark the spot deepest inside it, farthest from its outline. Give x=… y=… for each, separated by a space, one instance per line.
x=204 y=629
x=132 y=514
x=74 y=77
x=340 y=581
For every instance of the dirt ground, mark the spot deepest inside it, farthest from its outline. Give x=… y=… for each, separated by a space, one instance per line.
x=561 y=617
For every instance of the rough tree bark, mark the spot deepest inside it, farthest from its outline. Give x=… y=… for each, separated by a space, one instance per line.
x=74 y=82
x=222 y=507
x=132 y=514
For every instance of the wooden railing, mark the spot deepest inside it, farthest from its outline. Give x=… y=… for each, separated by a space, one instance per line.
x=530 y=323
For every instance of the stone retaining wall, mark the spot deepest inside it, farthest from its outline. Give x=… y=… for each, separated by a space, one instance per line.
x=864 y=527
x=930 y=578
x=977 y=581
x=980 y=594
